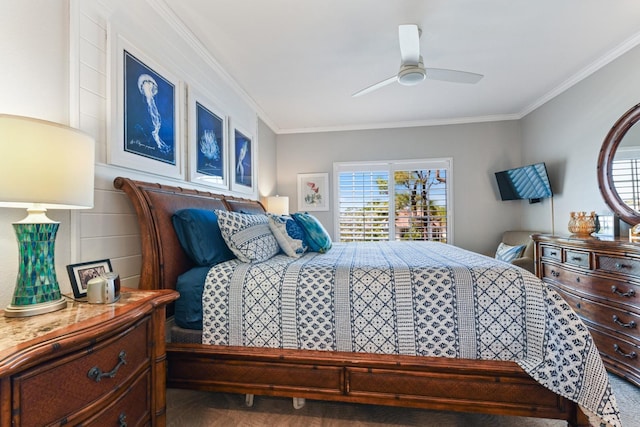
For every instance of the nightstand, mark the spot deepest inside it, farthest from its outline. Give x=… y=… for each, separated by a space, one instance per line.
x=95 y=364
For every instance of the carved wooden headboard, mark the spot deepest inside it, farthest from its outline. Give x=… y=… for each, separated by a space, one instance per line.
x=163 y=259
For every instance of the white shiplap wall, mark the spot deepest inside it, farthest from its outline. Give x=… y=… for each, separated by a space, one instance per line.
x=110 y=230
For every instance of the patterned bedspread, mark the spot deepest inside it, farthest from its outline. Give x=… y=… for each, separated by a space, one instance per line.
x=412 y=298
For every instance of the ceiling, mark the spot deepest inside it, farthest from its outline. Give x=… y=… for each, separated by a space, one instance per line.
x=300 y=61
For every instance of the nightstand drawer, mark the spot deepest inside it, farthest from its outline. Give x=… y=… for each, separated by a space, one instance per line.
x=57 y=390
x=131 y=409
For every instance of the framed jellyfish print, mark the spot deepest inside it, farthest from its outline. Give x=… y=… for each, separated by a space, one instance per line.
x=243 y=172
x=146 y=101
x=207 y=142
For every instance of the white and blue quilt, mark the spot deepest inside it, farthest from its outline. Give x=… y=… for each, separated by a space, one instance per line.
x=409 y=298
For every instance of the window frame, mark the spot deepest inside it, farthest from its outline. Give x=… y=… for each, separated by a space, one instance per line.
x=391 y=166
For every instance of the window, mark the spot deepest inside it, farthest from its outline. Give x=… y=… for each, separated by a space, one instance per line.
x=396 y=200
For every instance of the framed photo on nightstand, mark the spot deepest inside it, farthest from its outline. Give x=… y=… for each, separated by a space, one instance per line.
x=80 y=274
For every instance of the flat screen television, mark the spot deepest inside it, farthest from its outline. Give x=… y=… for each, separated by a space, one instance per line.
x=527 y=182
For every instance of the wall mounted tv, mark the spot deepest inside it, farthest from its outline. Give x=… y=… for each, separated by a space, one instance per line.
x=526 y=182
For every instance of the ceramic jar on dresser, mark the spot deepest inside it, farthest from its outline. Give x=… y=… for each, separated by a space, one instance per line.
x=600 y=279
x=89 y=364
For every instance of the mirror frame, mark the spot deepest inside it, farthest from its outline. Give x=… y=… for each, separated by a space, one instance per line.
x=605 y=166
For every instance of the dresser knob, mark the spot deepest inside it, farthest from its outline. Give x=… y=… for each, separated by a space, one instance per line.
x=627 y=294
x=629 y=325
x=97 y=374
x=631 y=355
x=122 y=420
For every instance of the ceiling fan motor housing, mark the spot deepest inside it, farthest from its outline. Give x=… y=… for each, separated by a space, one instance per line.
x=410 y=75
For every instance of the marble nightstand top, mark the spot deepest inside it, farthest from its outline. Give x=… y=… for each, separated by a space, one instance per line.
x=19 y=330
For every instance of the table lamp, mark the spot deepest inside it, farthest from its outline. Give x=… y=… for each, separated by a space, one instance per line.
x=43 y=165
x=278 y=205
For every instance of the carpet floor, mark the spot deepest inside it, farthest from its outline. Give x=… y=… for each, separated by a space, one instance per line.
x=188 y=408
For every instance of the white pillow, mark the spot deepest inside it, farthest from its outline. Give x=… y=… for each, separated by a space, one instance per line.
x=248 y=236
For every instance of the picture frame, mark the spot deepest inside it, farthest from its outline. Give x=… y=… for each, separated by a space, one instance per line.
x=243 y=160
x=207 y=142
x=145 y=112
x=80 y=274
x=313 y=192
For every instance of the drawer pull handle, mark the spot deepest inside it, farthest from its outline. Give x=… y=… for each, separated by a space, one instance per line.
x=122 y=420
x=555 y=273
x=627 y=294
x=553 y=253
x=620 y=266
x=629 y=325
x=576 y=258
x=631 y=355
x=96 y=373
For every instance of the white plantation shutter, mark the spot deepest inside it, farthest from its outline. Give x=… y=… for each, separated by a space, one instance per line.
x=364 y=206
x=396 y=200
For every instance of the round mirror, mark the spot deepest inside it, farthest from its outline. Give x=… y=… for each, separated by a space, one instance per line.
x=619 y=167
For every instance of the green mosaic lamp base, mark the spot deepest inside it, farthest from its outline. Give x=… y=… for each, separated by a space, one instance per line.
x=37 y=289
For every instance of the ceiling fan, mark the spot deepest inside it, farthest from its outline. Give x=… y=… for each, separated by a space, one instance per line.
x=412 y=70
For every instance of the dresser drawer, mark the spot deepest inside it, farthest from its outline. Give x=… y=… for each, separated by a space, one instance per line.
x=620 y=321
x=612 y=264
x=607 y=290
x=616 y=351
x=131 y=409
x=58 y=390
x=577 y=258
x=551 y=252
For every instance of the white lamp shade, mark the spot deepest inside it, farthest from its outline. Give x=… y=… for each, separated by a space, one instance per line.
x=278 y=205
x=45 y=163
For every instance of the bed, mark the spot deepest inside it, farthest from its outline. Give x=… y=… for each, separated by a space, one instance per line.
x=332 y=369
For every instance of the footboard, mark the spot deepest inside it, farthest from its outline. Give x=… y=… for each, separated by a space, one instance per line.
x=492 y=387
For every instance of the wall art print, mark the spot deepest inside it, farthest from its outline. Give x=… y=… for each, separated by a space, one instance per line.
x=313 y=192
x=208 y=148
x=244 y=161
x=149 y=105
x=146 y=134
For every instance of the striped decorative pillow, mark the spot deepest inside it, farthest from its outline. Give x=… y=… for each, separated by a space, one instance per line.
x=508 y=253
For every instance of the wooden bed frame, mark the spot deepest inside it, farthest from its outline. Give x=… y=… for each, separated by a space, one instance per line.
x=493 y=387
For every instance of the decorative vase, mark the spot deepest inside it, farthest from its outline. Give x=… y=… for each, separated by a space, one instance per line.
x=582 y=224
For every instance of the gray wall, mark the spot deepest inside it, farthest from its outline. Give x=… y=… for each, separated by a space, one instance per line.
x=567 y=132
x=478 y=150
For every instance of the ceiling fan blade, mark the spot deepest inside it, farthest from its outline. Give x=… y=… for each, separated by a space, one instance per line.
x=376 y=86
x=409 y=36
x=453 y=75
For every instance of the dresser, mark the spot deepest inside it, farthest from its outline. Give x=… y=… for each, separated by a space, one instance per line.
x=95 y=364
x=600 y=279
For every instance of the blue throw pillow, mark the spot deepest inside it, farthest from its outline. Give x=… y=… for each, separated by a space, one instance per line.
x=315 y=234
x=200 y=237
x=289 y=234
x=508 y=253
